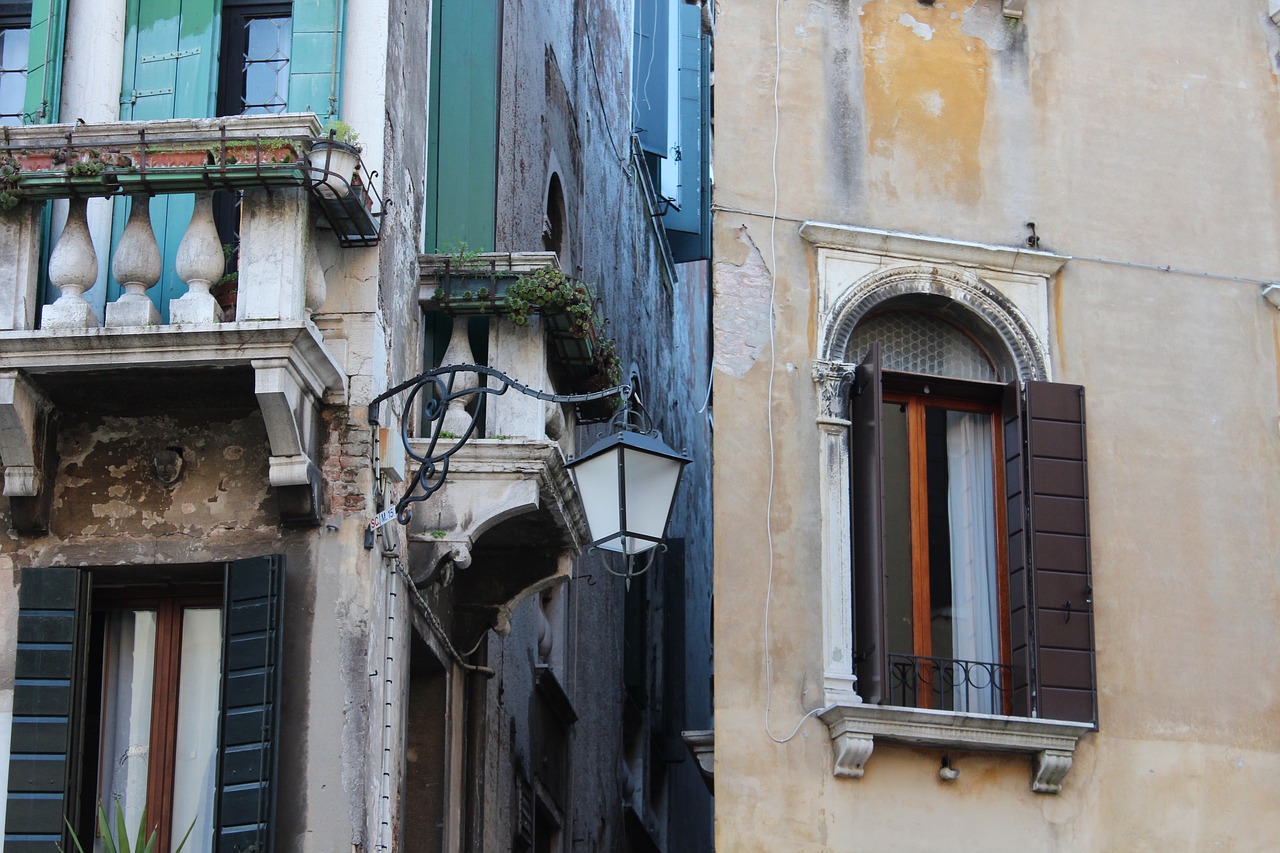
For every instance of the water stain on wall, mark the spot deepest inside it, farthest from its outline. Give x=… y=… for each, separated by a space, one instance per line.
x=926 y=99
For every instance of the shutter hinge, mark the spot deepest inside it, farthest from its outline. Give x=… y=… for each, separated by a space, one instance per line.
x=177 y=54
x=133 y=96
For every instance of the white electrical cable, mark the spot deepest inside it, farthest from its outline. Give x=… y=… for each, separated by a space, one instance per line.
x=773 y=361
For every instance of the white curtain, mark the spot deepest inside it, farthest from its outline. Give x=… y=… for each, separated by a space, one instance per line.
x=196 y=759
x=971 y=509
x=128 y=677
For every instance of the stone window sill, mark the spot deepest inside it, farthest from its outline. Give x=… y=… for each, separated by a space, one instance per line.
x=855 y=727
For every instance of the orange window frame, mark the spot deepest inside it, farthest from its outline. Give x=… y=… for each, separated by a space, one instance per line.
x=922 y=640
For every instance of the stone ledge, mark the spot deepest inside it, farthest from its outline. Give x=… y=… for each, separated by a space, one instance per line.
x=854 y=728
x=923 y=248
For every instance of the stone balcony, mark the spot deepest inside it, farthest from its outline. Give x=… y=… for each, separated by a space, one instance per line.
x=52 y=352
x=508 y=521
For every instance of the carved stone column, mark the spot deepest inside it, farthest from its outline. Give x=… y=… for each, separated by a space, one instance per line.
x=456 y=418
x=832 y=379
x=73 y=268
x=136 y=266
x=199 y=264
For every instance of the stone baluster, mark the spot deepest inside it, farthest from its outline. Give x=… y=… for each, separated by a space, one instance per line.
x=456 y=418
x=73 y=268
x=136 y=265
x=199 y=264
x=521 y=352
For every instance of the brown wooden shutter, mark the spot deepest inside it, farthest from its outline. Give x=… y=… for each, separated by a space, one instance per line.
x=1057 y=529
x=870 y=640
x=1015 y=462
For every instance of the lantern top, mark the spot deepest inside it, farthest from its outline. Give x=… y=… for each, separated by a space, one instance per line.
x=643 y=442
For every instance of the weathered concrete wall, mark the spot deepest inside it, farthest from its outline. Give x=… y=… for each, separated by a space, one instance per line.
x=1140 y=134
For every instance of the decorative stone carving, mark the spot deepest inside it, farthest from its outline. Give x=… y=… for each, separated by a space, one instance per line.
x=851 y=754
x=456 y=418
x=22 y=407
x=73 y=268
x=1050 y=769
x=1052 y=742
x=199 y=263
x=136 y=265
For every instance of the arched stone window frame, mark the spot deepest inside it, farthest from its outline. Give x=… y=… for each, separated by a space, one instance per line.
x=1001 y=294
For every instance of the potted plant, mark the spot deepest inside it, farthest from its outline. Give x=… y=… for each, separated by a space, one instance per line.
x=334 y=158
x=10 y=192
x=258 y=152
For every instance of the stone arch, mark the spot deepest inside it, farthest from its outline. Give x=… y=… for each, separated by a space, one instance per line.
x=959 y=295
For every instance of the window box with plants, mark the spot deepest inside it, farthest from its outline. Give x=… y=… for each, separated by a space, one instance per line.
x=66 y=172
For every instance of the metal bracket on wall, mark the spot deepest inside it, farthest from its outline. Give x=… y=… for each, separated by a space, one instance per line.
x=1014 y=8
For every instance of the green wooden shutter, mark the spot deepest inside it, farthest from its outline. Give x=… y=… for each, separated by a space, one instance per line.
x=870 y=634
x=45 y=707
x=44 y=61
x=462 y=166
x=315 y=57
x=249 y=728
x=170 y=71
x=649 y=74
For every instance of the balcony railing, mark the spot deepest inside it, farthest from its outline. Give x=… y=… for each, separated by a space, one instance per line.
x=946 y=684
x=280 y=280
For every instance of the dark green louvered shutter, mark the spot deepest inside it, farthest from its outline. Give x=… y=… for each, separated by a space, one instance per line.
x=315 y=57
x=44 y=61
x=45 y=707
x=253 y=617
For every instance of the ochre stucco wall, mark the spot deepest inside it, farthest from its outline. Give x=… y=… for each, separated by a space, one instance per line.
x=1142 y=135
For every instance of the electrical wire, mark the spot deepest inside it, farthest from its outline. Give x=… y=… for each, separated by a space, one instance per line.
x=773 y=363
x=604 y=114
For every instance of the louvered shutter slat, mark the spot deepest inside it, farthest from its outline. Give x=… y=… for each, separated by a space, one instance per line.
x=250 y=724
x=867 y=498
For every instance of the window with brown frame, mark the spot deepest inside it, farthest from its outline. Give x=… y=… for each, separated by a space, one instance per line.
x=151 y=739
x=165 y=695
x=971 y=578
x=946 y=602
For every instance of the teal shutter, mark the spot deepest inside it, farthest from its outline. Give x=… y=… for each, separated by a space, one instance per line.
x=462 y=165
x=315 y=57
x=45 y=701
x=649 y=74
x=170 y=71
x=44 y=61
x=248 y=752
x=689 y=227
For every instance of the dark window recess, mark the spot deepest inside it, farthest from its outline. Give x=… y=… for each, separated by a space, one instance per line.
x=1046 y=667
x=15 y=35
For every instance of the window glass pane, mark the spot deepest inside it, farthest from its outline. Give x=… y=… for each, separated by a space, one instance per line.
x=198 y=706
x=921 y=343
x=897 y=530
x=974 y=618
x=266 y=65
x=127 y=679
x=13 y=74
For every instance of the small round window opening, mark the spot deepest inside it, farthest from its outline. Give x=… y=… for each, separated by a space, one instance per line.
x=916 y=342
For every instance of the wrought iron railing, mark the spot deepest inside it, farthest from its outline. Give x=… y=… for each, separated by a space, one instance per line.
x=918 y=681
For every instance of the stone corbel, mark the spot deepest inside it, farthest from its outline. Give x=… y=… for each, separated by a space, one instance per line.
x=1051 y=767
x=852 y=751
x=1014 y=8
x=289 y=412
x=26 y=449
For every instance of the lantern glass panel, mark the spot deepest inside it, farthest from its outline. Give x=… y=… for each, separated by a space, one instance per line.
x=651 y=486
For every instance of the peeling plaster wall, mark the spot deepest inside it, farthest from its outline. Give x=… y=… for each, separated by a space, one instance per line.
x=1141 y=134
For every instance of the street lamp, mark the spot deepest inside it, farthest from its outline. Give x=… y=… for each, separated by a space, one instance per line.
x=627 y=481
